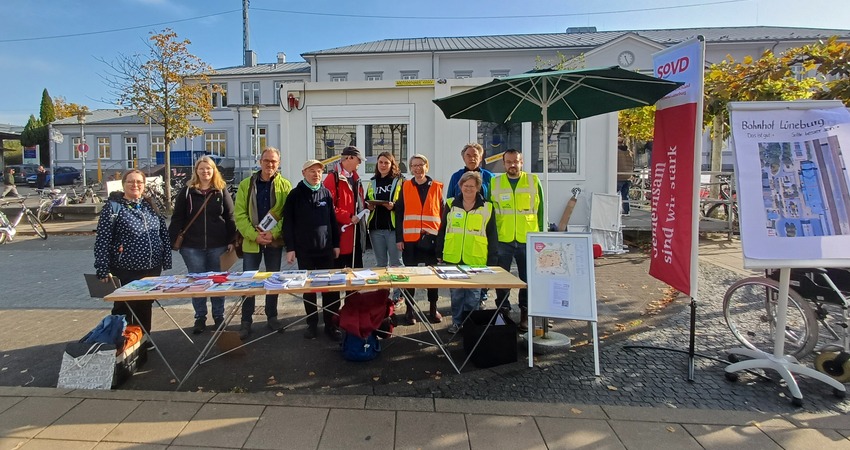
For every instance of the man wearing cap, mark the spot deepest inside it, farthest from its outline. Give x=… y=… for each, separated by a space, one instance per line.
x=311 y=235
x=343 y=182
x=261 y=194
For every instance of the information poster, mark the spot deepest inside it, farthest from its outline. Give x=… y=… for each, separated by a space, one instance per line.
x=793 y=188
x=561 y=281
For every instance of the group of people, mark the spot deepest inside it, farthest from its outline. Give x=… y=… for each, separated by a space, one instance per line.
x=322 y=223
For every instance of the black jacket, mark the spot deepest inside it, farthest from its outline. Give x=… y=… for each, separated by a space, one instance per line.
x=215 y=226
x=309 y=222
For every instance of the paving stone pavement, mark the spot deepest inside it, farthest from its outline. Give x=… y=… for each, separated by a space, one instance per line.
x=32 y=337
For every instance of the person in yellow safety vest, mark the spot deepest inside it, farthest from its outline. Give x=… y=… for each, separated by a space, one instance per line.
x=381 y=197
x=467 y=236
x=517 y=198
x=419 y=211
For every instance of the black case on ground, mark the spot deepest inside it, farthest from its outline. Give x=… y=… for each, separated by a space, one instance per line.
x=499 y=344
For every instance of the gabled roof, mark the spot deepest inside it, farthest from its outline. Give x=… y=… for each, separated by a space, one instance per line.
x=265 y=69
x=107 y=116
x=580 y=40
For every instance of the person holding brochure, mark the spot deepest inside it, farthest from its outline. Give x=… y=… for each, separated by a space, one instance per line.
x=467 y=236
x=132 y=243
x=208 y=236
x=419 y=212
x=381 y=198
x=263 y=193
x=517 y=199
x=312 y=236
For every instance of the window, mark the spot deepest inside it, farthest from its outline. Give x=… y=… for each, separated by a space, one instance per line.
x=103 y=148
x=219 y=99
x=798 y=72
x=261 y=133
x=499 y=73
x=409 y=74
x=562 y=147
x=277 y=86
x=75 y=147
x=131 y=149
x=251 y=93
x=463 y=74
x=215 y=143
x=331 y=139
x=158 y=144
x=496 y=138
x=385 y=138
x=338 y=77
x=374 y=76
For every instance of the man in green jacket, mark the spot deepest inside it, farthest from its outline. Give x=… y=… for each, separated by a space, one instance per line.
x=259 y=202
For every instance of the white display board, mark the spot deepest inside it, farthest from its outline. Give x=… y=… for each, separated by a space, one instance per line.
x=793 y=188
x=561 y=281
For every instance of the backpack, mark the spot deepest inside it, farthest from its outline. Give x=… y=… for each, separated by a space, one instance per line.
x=358 y=349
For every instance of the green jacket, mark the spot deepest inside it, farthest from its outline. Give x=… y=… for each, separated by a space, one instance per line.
x=245 y=209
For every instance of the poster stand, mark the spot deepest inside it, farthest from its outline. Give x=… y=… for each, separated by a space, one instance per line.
x=788 y=211
x=561 y=283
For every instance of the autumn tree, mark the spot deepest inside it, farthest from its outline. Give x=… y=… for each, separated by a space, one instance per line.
x=830 y=60
x=170 y=86
x=62 y=109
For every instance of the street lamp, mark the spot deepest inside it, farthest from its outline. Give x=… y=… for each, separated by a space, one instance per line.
x=83 y=148
x=255 y=144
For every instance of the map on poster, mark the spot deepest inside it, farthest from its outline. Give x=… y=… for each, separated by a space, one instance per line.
x=560 y=276
x=793 y=191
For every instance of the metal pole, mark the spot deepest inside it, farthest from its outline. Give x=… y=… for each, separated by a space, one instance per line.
x=150 y=145
x=82 y=143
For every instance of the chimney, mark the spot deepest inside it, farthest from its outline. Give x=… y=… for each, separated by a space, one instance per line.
x=281 y=57
x=250 y=58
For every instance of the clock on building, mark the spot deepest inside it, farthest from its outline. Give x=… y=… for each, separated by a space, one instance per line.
x=626 y=59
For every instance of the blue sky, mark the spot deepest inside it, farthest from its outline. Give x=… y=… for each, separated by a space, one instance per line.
x=56 y=44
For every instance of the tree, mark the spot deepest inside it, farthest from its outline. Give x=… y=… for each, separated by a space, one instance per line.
x=47 y=116
x=171 y=87
x=62 y=109
x=828 y=59
x=30 y=135
x=637 y=124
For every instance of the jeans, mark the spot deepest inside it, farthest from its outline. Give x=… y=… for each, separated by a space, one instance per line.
x=464 y=301
x=251 y=261
x=623 y=188
x=142 y=308
x=204 y=260
x=383 y=243
x=330 y=300
x=508 y=251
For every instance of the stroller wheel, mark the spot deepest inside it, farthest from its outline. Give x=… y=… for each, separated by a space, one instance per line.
x=836 y=365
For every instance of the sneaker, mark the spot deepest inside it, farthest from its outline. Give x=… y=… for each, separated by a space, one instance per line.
x=273 y=324
x=310 y=332
x=200 y=326
x=244 y=330
x=454 y=328
x=333 y=333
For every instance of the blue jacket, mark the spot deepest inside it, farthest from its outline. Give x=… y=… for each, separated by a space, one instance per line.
x=453 y=190
x=132 y=238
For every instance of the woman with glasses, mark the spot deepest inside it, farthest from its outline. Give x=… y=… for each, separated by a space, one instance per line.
x=132 y=243
x=210 y=235
x=419 y=210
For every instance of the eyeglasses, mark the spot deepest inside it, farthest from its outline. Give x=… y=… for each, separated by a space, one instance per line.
x=269 y=161
x=137 y=182
x=417 y=165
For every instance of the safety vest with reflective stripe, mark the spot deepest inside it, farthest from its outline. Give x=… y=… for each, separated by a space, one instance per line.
x=516 y=209
x=421 y=218
x=394 y=192
x=466 y=234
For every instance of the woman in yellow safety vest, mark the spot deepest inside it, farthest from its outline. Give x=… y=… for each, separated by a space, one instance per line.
x=418 y=209
x=467 y=236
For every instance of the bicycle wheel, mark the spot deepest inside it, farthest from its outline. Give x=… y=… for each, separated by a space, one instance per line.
x=715 y=209
x=36 y=225
x=749 y=307
x=44 y=210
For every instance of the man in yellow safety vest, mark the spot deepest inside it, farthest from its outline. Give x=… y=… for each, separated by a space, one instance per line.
x=517 y=199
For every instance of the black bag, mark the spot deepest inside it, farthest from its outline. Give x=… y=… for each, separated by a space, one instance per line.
x=427 y=243
x=499 y=344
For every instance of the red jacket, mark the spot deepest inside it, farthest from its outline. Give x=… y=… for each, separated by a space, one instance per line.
x=345 y=206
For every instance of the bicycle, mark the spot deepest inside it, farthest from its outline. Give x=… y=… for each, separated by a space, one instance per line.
x=50 y=199
x=727 y=202
x=8 y=229
x=88 y=192
x=749 y=307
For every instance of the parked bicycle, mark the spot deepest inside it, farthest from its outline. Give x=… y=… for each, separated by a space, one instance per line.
x=749 y=307
x=726 y=203
x=89 y=193
x=50 y=199
x=8 y=229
